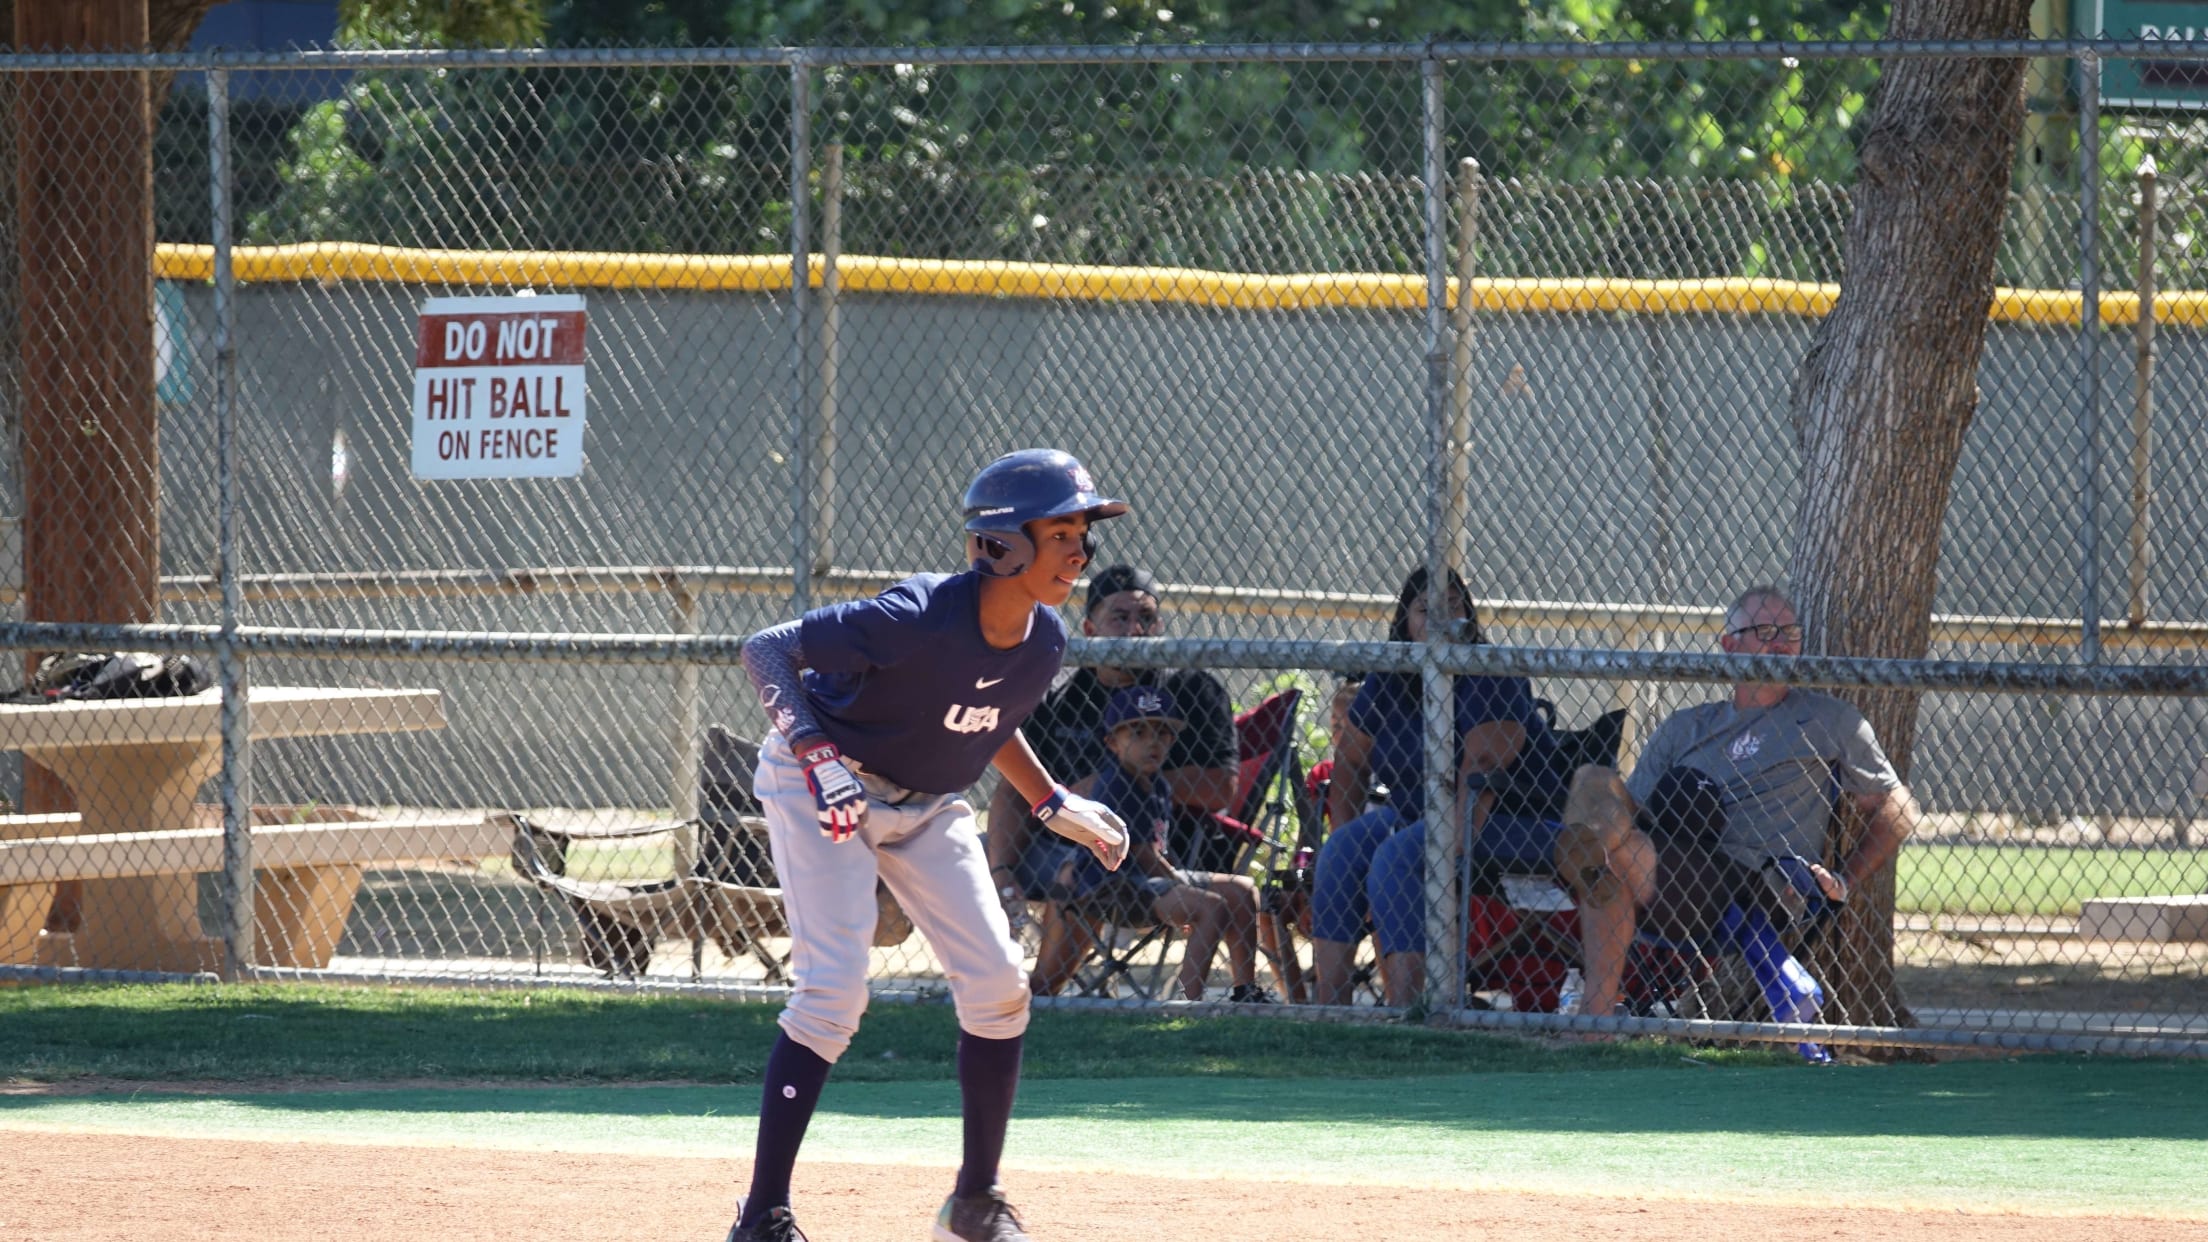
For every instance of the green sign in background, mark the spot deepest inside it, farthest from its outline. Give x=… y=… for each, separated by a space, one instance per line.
x=2127 y=83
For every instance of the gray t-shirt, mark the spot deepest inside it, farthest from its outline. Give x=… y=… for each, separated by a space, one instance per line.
x=1779 y=766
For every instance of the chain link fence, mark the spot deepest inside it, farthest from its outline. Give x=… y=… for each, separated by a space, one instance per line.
x=496 y=729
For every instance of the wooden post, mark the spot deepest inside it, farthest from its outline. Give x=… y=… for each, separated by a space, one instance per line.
x=84 y=246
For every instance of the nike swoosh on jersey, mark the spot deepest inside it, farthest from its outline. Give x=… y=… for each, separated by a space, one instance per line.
x=985 y=682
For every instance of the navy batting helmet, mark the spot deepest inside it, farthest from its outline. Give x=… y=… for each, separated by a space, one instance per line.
x=1024 y=487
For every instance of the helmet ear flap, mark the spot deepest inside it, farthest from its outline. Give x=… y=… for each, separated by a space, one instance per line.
x=1000 y=553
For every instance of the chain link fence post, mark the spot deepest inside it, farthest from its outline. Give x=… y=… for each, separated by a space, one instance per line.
x=1444 y=956
x=831 y=358
x=2142 y=401
x=802 y=412
x=2089 y=355
x=237 y=748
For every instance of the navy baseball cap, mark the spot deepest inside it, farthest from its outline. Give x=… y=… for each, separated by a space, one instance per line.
x=1112 y=579
x=1141 y=703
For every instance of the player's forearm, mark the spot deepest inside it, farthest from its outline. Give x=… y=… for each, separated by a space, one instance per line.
x=1007 y=826
x=1015 y=761
x=776 y=661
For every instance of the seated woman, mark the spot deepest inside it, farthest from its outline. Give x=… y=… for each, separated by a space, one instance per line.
x=1372 y=865
x=1494 y=840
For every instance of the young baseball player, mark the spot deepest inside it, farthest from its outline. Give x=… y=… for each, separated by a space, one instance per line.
x=1140 y=726
x=885 y=710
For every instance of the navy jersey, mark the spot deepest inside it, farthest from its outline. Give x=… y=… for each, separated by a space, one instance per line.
x=1388 y=709
x=905 y=684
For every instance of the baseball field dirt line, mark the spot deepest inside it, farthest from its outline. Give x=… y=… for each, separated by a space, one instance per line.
x=84 y=1186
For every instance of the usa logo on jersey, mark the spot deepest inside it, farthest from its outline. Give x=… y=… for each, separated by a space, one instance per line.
x=962 y=719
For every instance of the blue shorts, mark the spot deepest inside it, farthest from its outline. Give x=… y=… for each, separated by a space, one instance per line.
x=1338 y=904
x=1395 y=885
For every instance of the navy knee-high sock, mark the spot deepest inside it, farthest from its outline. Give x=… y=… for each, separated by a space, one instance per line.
x=988 y=1079
x=795 y=1075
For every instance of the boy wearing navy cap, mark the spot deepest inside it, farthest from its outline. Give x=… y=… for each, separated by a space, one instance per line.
x=1141 y=724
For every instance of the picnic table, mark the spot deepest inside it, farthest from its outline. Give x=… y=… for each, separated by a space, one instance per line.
x=136 y=843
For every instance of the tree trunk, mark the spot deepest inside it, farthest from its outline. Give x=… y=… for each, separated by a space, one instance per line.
x=9 y=357
x=1887 y=391
x=83 y=314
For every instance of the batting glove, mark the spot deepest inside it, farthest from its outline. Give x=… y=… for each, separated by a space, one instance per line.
x=1085 y=822
x=836 y=793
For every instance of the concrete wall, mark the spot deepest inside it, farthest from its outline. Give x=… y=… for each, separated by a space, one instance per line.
x=1615 y=458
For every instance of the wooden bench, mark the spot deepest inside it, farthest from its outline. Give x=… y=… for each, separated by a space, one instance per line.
x=306 y=874
x=134 y=767
x=23 y=907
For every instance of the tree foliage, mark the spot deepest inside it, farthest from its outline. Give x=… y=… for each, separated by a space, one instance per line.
x=1185 y=163
x=441 y=23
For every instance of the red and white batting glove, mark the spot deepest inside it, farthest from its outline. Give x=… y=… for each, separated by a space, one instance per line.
x=1087 y=823
x=836 y=793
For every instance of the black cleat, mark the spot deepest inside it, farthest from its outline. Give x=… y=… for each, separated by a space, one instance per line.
x=779 y=1226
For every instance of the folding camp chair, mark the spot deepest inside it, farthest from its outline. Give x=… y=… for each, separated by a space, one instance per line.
x=1523 y=943
x=621 y=923
x=723 y=890
x=1114 y=951
x=1521 y=928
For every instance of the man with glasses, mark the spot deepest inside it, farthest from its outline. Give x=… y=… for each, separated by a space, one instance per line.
x=1721 y=832
x=1067 y=729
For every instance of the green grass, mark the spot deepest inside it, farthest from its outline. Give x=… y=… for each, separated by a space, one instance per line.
x=586 y=1072
x=248 y=1033
x=2038 y=1134
x=2044 y=880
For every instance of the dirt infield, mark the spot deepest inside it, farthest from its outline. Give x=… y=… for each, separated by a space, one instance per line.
x=100 y=1186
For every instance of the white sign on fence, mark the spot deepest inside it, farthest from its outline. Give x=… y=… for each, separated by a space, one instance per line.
x=498 y=388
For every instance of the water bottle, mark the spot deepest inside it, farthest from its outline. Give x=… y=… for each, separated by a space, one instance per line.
x=1569 y=993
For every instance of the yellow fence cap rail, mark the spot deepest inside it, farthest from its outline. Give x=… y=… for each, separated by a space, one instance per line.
x=333 y=262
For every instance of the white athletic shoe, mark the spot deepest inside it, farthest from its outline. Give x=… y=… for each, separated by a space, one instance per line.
x=979 y=1218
